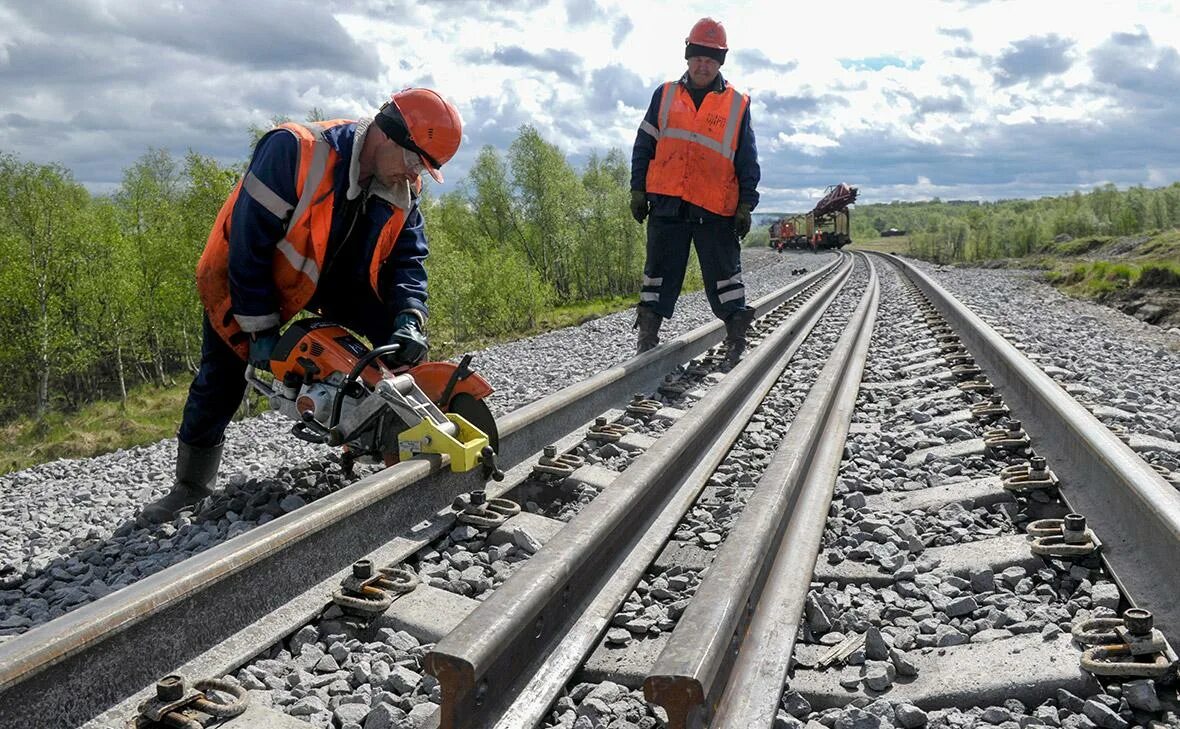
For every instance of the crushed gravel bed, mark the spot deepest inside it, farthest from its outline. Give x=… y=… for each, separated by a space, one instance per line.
x=647 y=614
x=67 y=532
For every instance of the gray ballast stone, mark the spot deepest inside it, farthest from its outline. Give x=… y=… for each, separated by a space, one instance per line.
x=1105 y=594
x=1024 y=667
x=971 y=494
x=960 y=449
x=427 y=613
x=996 y=554
x=1141 y=695
x=1143 y=443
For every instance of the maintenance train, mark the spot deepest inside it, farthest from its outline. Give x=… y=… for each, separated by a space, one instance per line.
x=826 y=226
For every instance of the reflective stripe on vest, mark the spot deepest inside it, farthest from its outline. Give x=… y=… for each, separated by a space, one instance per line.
x=300 y=254
x=695 y=148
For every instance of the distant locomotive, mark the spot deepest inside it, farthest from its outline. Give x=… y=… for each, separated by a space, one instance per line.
x=826 y=226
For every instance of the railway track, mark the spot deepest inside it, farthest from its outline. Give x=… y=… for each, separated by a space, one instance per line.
x=673 y=548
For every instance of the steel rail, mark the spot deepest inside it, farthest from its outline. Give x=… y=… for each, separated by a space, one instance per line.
x=752 y=694
x=531 y=703
x=735 y=624
x=1130 y=506
x=485 y=661
x=71 y=669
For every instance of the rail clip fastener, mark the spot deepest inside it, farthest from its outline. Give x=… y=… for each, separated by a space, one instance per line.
x=553 y=464
x=1068 y=537
x=478 y=510
x=607 y=432
x=370 y=592
x=641 y=406
x=175 y=701
x=1129 y=646
x=1028 y=476
x=1012 y=438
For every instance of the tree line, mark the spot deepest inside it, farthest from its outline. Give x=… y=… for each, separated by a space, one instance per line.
x=972 y=231
x=97 y=292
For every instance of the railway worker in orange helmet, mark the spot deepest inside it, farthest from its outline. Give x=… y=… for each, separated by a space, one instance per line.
x=325 y=220
x=694 y=178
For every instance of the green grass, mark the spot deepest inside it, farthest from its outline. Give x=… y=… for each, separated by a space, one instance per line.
x=153 y=413
x=1078 y=246
x=1095 y=279
x=895 y=244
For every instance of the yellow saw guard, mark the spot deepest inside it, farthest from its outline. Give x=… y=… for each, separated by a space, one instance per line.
x=435 y=431
x=464 y=447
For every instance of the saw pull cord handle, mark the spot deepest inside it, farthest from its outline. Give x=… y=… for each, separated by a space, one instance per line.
x=361 y=364
x=260 y=384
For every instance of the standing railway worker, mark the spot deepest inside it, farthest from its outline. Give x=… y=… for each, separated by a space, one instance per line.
x=694 y=177
x=325 y=220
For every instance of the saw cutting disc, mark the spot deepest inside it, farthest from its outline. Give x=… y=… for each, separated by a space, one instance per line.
x=477 y=413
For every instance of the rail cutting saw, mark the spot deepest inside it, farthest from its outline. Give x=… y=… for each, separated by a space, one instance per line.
x=341 y=393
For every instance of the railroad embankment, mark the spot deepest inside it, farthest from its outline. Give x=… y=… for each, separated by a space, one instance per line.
x=1137 y=274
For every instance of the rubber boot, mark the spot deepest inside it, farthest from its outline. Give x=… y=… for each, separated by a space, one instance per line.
x=736 y=327
x=196 y=470
x=649 y=323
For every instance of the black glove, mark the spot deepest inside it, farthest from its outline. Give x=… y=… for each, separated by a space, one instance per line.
x=741 y=220
x=262 y=344
x=638 y=205
x=407 y=332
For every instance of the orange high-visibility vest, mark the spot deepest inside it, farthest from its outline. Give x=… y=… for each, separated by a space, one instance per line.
x=695 y=148
x=299 y=256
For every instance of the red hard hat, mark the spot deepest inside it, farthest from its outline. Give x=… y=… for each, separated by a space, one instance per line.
x=709 y=33
x=434 y=126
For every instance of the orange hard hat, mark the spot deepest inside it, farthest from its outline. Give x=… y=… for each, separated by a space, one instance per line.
x=424 y=123
x=709 y=33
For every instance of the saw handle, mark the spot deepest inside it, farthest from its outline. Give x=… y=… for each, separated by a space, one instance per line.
x=357 y=369
x=258 y=383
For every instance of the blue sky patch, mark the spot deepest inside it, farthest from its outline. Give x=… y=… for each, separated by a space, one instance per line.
x=876 y=63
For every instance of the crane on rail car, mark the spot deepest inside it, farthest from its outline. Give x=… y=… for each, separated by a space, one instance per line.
x=828 y=225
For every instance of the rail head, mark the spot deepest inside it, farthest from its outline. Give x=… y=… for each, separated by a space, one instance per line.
x=693 y=669
x=1130 y=506
x=67 y=658
x=507 y=635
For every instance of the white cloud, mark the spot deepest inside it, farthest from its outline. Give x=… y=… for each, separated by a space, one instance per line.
x=807 y=142
x=978 y=100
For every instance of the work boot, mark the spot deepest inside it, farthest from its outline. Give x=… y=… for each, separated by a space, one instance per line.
x=196 y=470
x=649 y=323
x=736 y=327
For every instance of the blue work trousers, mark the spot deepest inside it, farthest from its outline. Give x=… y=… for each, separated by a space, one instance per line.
x=220 y=383
x=719 y=254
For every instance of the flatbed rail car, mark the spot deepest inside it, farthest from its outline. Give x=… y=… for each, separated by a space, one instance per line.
x=802 y=232
x=827 y=226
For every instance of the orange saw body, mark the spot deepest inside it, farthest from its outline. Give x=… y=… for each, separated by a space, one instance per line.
x=341 y=393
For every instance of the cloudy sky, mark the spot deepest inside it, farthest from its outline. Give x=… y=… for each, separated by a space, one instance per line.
x=908 y=99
